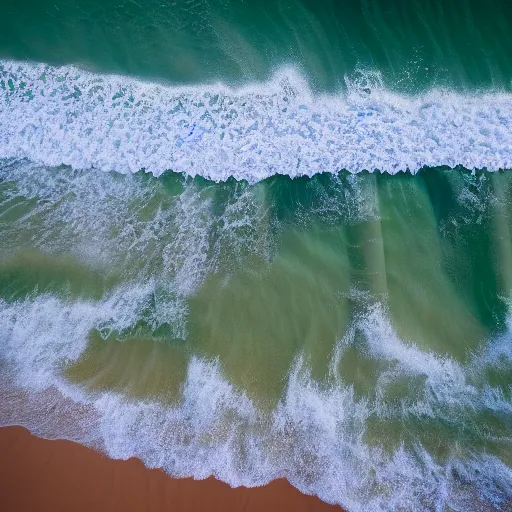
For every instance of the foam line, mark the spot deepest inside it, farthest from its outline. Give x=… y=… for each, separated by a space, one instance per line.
x=316 y=436
x=70 y=116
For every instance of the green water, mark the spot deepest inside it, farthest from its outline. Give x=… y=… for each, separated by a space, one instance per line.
x=278 y=244
x=460 y=43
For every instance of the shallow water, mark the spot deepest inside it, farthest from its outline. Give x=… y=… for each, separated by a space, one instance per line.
x=349 y=332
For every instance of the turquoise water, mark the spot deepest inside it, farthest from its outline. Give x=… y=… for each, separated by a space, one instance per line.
x=260 y=241
x=414 y=44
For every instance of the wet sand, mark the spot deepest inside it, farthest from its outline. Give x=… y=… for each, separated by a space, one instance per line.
x=41 y=475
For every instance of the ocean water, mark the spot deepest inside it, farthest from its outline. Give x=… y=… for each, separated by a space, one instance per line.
x=261 y=240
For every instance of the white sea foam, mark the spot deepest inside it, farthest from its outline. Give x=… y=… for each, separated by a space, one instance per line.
x=70 y=116
x=445 y=379
x=127 y=226
x=316 y=436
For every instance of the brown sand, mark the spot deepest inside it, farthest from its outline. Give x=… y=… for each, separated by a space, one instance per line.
x=62 y=476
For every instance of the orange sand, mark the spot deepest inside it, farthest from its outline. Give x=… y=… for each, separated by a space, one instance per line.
x=62 y=476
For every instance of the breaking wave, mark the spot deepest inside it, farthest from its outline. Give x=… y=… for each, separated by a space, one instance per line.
x=317 y=436
x=66 y=115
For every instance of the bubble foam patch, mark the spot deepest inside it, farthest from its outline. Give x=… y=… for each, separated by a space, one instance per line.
x=70 y=116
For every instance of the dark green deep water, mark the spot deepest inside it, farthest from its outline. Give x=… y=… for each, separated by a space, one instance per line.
x=278 y=242
x=413 y=43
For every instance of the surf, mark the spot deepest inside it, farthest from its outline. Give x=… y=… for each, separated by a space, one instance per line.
x=131 y=314
x=66 y=115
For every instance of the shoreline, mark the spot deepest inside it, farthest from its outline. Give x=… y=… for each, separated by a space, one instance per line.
x=60 y=475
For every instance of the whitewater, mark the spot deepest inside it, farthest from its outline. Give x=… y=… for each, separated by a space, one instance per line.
x=66 y=115
x=316 y=436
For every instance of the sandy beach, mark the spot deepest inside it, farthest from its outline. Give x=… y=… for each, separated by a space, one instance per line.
x=42 y=475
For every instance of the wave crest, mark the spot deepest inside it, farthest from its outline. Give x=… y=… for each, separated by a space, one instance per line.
x=70 y=116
